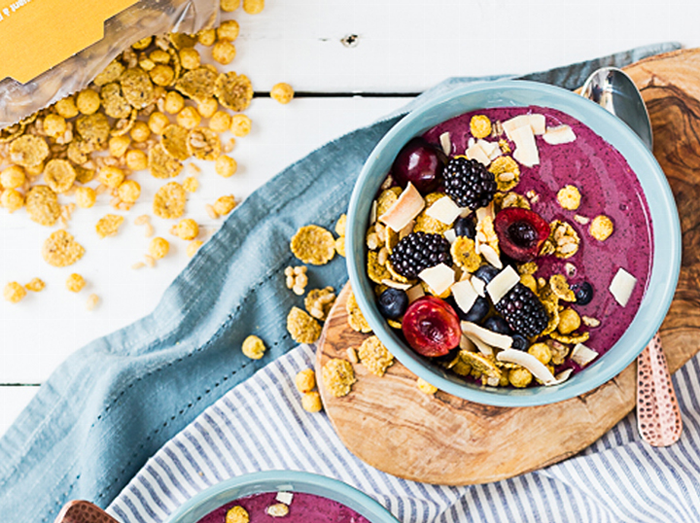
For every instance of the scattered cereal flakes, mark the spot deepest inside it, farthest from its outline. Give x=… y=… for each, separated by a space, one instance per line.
x=111 y=73
x=305 y=380
x=187 y=229
x=569 y=321
x=355 y=317
x=319 y=302
x=253 y=347
x=506 y=172
x=29 y=150
x=92 y=302
x=375 y=356
x=193 y=247
x=541 y=351
x=36 y=285
x=59 y=175
x=560 y=287
x=313 y=244
x=115 y=105
x=394 y=324
x=138 y=265
x=237 y=514
x=197 y=84
x=158 y=248
x=480 y=363
x=190 y=184
x=12 y=177
x=338 y=377
x=75 y=282
x=352 y=355
x=511 y=199
x=296 y=279
x=14 y=292
x=425 y=387
x=12 y=200
x=311 y=402
x=302 y=327
x=428 y=224
x=528 y=268
x=203 y=144
x=340 y=225
x=601 y=228
x=233 y=91
x=572 y=339
x=253 y=7
x=376 y=272
x=480 y=126
x=551 y=307
x=175 y=141
x=129 y=191
x=61 y=250
x=519 y=377
x=109 y=225
x=282 y=92
x=564 y=238
x=387 y=199
x=169 y=202
x=464 y=255
x=93 y=129
x=137 y=87
x=161 y=164
x=529 y=281
x=569 y=197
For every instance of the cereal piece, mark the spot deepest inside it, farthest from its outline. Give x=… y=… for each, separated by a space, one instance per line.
x=253 y=347
x=551 y=307
x=189 y=118
x=519 y=377
x=182 y=41
x=158 y=122
x=187 y=229
x=569 y=197
x=240 y=125
x=137 y=160
x=305 y=380
x=233 y=91
x=197 y=84
x=282 y=93
x=340 y=225
x=313 y=244
x=14 y=292
x=356 y=319
x=118 y=145
x=161 y=164
x=55 y=125
x=296 y=279
x=511 y=199
x=140 y=132
x=387 y=199
x=112 y=177
x=340 y=246
x=143 y=219
x=189 y=58
x=569 y=321
x=237 y=514
x=220 y=122
x=158 y=248
x=318 y=302
x=426 y=223
x=92 y=302
x=12 y=200
x=12 y=177
x=190 y=184
x=211 y=212
x=377 y=272
x=253 y=7
x=61 y=250
x=29 y=150
x=75 y=282
x=302 y=327
x=88 y=101
x=193 y=247
x=375 y=356
x=174 y=102
x=338 y=377
x=137 y=87
x=506 y=172
x=138 y=265
x=162 y=75
x=207 y=37
x=129 y=191
x=203 y=144
x=94 y=130
x=564 y=238
x=83 y=174
x=59 y=175
x=229 y=6
x=572 y=339
x=224 y=205
x=223 y=52
x=36 y=285
x=175 y=142
x=311 y=402
x=481 y=363
x=114 y=104
x=425 y=387
x=207 y=107
x=464 y=255
x=352 y=355
x=109 y=225
x=560 y=287
x=480 y=126
x=67 y=108
x=150 y=260
x=541 y=351
x=42 y=205
x=529 y=281
x=601 y=228
x=228 y=30
x=225 y=166
x=114 y=70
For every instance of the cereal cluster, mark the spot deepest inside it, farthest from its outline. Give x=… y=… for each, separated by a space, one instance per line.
x=306 y=383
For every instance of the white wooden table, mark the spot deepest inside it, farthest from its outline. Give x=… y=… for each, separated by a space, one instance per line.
x=401 y=47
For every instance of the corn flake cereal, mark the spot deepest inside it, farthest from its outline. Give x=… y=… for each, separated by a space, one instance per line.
x=36 y=285
x=29 y=150
x=519 y=377
x=319 y=302
x=175 y=142
x=42 y=205
x=187 y=229
x=302 y=327
x=129 y=191
x=572 y=339
x=169 y=201
x=356 y=319
x=464 y=254
x=338 y=377
x=601 y=228
x=224 y=205
x=481 y=364
x=59 y=175
x=94 y=130
x=376 y=272
x=387 y=199
x=158 y=248
x=197 y=84
x=340 y=246
x=340 y=225
x=375 y=356
x=282 y=93
x=234 y=91
x=425 y=387
x=569 y=321
x=569 y=197
x=253 y=347
x=203 y=144
x=137 y=87
x=480 y=126
x=113 y=71
x=14 y=292
x=313 y=244
x=305 y=380
x=310 y=402
x=75 y=282
x=12 y=200
x=193 y=247
x=240 y=125
x=560 y=287
x=161 y=164
x=61 y=250
x=237 y=514
x=108 y=225
x=12 y=177
x=115 y=105
x=190 y=184
x=506 y=172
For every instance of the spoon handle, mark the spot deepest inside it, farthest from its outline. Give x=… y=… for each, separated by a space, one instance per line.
x=658 y=416
x=78 y=511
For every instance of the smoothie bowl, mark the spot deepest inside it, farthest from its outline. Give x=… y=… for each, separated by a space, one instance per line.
x=513 y=244
x=291 y=495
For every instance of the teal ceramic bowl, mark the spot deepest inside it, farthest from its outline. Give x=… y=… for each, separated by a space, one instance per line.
x=664 y=218
x=280 y=480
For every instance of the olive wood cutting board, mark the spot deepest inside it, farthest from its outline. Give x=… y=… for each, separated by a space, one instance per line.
x=388 y=423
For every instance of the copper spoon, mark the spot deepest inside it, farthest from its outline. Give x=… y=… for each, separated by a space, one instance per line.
x=658 y=416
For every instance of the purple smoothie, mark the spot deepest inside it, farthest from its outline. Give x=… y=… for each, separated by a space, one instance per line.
x=608 y=186
x=304 y=508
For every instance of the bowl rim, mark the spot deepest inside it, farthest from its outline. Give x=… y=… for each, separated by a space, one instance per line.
x=669 y=243
x=293 y=481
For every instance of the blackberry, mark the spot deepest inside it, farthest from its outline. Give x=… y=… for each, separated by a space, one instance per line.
x=419 y=251
x=469 y=183
x=523 y=311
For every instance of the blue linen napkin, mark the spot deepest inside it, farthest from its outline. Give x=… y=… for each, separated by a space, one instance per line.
x=115 y=402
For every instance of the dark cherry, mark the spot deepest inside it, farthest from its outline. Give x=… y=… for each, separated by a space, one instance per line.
x=420 y=163
x=583 y=292
x=466 y=226
x=392 y=303
x=498 y=325
x=521 y=233
x=431 y=327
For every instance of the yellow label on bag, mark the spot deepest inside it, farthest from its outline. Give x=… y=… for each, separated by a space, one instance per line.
x=36 y=35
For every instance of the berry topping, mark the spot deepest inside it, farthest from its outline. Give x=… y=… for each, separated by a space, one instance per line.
x=521 y=233
x=392 y=303
x=477 y=312
x=420 y=163
x=419 y=251
x=469 y=183
x=523 y=311
x=486 y=273
x=520 y=343
x=498 y=325
x=431 y=327
x=466 y=226
x=583 y=292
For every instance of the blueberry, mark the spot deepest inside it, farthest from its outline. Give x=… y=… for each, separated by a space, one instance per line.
x=392 y=303
x=486 y=273
x=477 y=313
x=466 y=227
x=519 y=342
x=497 y=324
x=583 y=292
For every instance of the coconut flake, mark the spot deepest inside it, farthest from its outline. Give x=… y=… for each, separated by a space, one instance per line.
x=450 y=235
x=479 y=286
x=622 y=286
x=406 y=208
x=285 y=497
x=439 y=278
x=524 y=359
x=490 y=255
x=467 y=344
x=475 y=152
x=444 y=210
x=414 y=293
x=491 y=149
x=561 y=377
x=515 y=123
x=493 y=339
x=484 y=348
x=583 y=355
x=525 y=147
x=446 y=143
x=503 y=282
x=373 y=213
x=537 y=123
x=558 y=135
x=464 y=294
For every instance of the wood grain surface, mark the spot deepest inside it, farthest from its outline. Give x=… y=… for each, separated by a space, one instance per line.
x=388 y=423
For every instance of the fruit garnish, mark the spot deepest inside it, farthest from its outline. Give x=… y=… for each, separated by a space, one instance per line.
x=469 y=183
x=478 y=310
x=419 y=251
x=486 y=273
x=420 y=163
x=583 y=292
x=466 y=226
x=523 y=311
x=392 y=303
x=521 y=233
x=498 y=325
x=431 y=327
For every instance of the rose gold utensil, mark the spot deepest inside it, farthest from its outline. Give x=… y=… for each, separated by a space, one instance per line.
x=83 y=512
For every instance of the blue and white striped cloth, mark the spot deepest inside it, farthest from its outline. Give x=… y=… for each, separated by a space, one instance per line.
x=260 y=425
